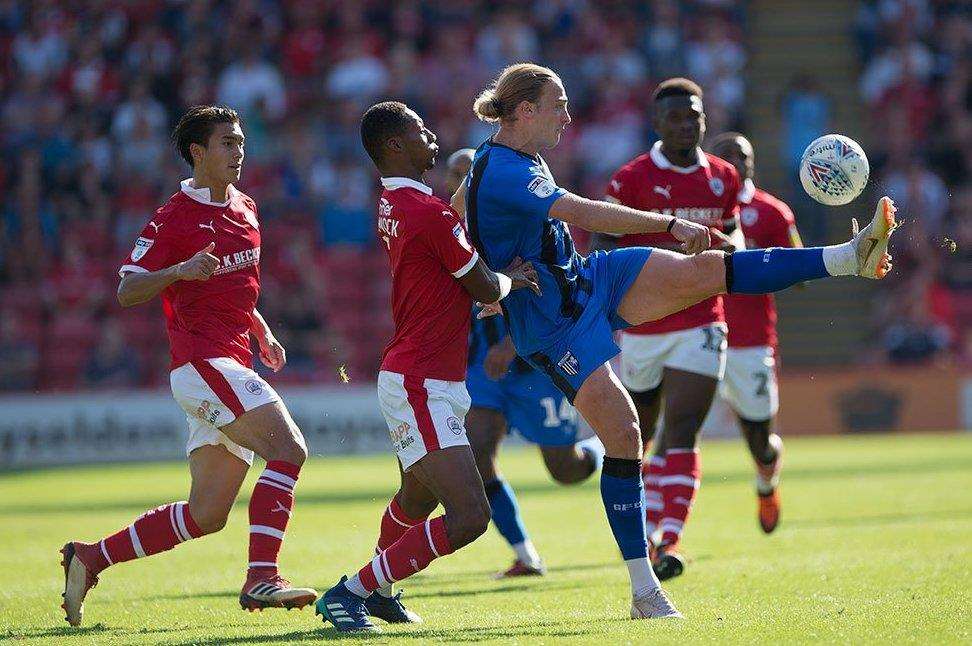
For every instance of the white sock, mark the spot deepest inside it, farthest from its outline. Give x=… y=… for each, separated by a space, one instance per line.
x=527 y=553
x=386 y=592
x=354 y=585
x=841 y=259
x=643 y=579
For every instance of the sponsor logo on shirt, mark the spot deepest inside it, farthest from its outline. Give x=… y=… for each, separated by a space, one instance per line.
x=711 y=216
x=142 y=245
x=239 y=260
x=666 y=191
x=541 y=187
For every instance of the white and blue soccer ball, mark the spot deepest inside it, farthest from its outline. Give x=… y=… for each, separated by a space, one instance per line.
x=834 y=169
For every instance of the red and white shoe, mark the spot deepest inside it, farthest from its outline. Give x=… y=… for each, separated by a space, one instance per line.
x=519 y=568
x=261 y=591
x=78 y=579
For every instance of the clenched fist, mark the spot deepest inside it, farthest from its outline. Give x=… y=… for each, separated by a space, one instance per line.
x=201 y=266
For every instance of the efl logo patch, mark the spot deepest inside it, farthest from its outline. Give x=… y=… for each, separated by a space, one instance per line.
x=541 y=187
x=717 y=186
x=142 y=245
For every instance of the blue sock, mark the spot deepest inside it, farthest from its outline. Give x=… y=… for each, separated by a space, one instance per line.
x=761 y=271
x=506 y=513
x=621 y=491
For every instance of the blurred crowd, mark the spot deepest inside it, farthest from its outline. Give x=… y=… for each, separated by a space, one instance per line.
x=917 y=82
x=90 y=90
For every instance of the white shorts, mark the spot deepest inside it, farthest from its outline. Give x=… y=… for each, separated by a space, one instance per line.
x=750 y=385
x=214 y=392
x=423 y=415
x=701 y=350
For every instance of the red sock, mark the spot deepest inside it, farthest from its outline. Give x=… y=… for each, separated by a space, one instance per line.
x=154 y=531
x=394 y=524
x=270 y=508
x=651 y=471
x=679 y=482
x=412 y=553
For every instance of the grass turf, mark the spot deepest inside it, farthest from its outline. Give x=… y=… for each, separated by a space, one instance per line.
x=875 y=546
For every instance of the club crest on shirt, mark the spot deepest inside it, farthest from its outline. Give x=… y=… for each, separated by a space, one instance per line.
x=569 y=364
x=541 y=187
x=717 y=186
x=748 y=216
x=142 y=245
x=454 y=425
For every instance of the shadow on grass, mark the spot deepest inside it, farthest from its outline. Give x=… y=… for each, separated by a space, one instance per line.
x=573 y=628
x=60 y=631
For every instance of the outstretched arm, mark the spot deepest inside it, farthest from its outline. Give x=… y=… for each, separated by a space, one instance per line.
x=606 y=217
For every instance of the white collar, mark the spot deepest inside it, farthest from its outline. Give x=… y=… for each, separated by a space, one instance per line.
x=747 y=192
x=203 y=196
x=658 y=157
x=392 y=183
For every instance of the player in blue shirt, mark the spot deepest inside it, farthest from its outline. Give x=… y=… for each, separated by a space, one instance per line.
x=514 y=209
x=509 y=395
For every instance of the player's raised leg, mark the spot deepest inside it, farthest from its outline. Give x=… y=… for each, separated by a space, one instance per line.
x=670 y=282
x=607 y=407
x=216 y=478
x=271 y=433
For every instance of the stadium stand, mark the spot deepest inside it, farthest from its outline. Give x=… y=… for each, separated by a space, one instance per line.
x=89 y=91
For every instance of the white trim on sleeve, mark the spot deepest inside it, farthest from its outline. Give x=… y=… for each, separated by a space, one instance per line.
x=465 y=269
x=127 y=268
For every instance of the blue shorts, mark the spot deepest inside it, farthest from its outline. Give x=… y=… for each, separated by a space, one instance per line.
x=532 y=406
x=588 y=342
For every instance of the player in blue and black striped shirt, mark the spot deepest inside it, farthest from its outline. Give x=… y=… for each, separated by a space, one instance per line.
x=514 y=209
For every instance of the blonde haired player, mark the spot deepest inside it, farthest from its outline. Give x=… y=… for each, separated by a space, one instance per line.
x=515 y=209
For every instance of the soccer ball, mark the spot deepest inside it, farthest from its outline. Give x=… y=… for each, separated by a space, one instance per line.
x=834 y=170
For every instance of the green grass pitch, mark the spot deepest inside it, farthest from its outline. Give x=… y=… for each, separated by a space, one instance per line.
x=875 y=546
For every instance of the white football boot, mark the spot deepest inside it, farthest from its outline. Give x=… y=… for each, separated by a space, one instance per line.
x=654 y=605
x=871 y=244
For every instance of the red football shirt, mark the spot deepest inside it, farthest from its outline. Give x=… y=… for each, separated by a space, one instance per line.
x=705 y=193
x=766 y=222
x=210 y=318
x=426 y=242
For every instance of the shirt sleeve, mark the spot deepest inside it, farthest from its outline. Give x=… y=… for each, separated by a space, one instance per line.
x=620 y=188
x=527 y=190
x=447 y=239
x=730 y=212
x=785 y=232
x=154 y=249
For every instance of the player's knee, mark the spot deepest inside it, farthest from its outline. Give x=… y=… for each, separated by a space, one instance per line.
x=209 y=521
x=469 y=524
x=290 y=448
